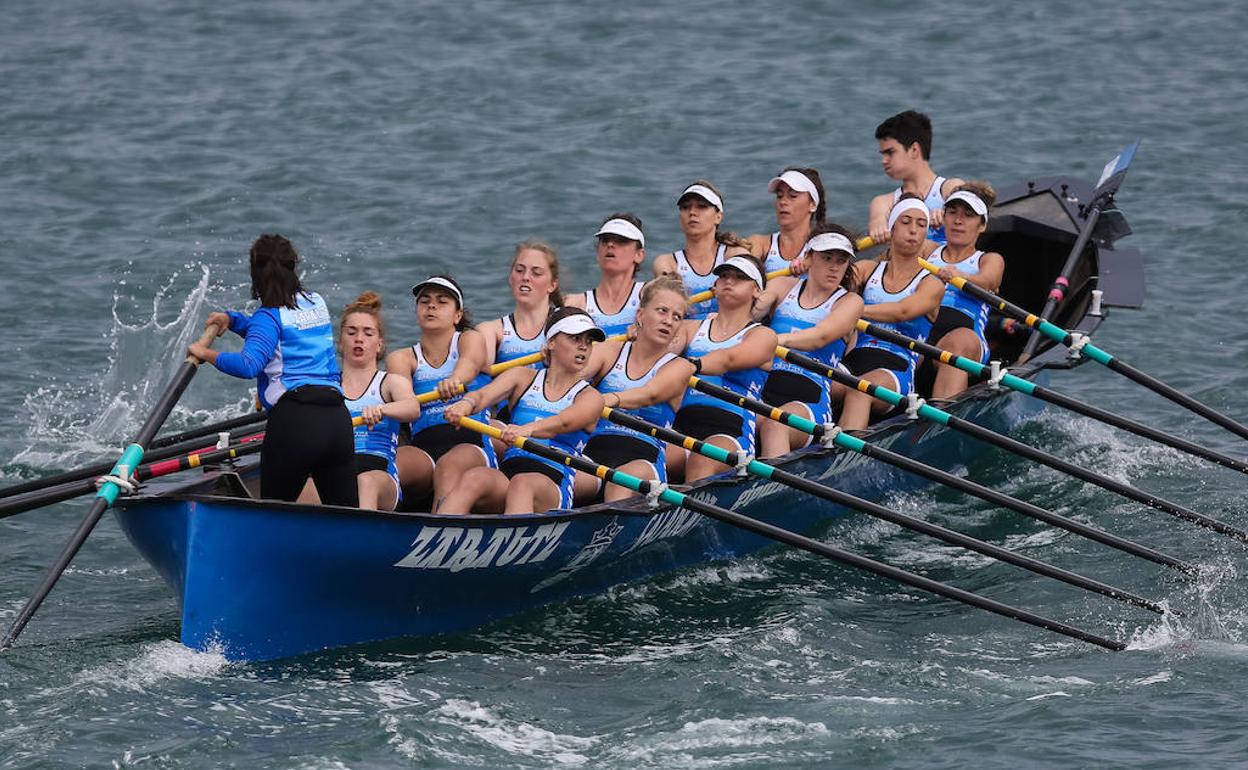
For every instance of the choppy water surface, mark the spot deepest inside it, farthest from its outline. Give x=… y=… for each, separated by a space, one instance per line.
x=146 y=145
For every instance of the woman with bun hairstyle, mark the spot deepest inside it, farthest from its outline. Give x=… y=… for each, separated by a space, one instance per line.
x=701 y=208
x=448 y=358
x=289 y=349
x=801 y=204
x=554 y=403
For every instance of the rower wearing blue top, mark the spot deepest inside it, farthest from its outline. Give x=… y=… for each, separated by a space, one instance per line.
x=289 y=349
x=447 y=360
x=555 y=403
x=729 y=349
x=815 y=314
x=643 y=378
x=621 y=250
x=801 y=205
x=701 y=208
x=900 y=295
x=905 y=142
x=960 y=326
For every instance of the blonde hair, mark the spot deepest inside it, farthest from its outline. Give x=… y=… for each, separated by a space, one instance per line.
x=665 y=282
x=368 y=302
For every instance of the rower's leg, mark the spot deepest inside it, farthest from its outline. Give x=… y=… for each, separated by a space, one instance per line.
x=482 y=488
x=452 y=467
x=415 y=470
x=675 y=458
x=377 y=491
x=642 y=469
x=858 y=408
x=700 y=466
x=776 y=439
x=531 y=493
x=950 y=380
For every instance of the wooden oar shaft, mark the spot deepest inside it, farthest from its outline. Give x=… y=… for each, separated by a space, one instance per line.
x=976 y=369
x=672 y=497
x=940 y=417
x=822 y=491
x=932 y=473
x=130 y=459
x=1061 y=336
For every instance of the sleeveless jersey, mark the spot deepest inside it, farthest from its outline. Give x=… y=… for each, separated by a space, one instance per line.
x=617 y=380
x=615 y=323
x=790 y=316
x=934 y=200
x=748 y=382
x=511 y=345
x=960 y=301
x=774 y=261
x=426 y=377
x=874 y=293
x=534 y=405
x=696 y=282
x=381 y=439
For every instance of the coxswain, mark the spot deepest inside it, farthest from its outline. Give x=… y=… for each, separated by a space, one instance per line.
x=289 y=348
x=905 y=142
x=701 y=208
x=621 y=250
x=554 y=403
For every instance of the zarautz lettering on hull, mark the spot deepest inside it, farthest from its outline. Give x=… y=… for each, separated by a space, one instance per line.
x=460 y=548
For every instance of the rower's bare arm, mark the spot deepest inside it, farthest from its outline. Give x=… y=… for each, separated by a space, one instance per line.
x=877 y=217
x=491 y=333
x=502 y=386
x=836 y=325
x=923 y=301
x=759 y=243
x=401 y=363
x=665 y=264
x=756 y=350
x=402 y=403
x=583 y=414
x=776 y=289
x=991 y=271
x=667 y=384
x=575 y=300
x=601 y=358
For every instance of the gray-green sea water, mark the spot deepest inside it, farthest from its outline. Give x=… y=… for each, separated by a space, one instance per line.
x=144 y=145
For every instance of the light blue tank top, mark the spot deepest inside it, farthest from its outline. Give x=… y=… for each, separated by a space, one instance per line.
x=534 y=405
x=618 y=322
x=426 y=377
x=934 y=200
x=305 y=353
x=790 y=316
x=747 y=382
x=511 y=345
x=874 y=293
x=696 y=282
x=617 y=380
x=958 y=300
x=381 y=439
x=774 y=261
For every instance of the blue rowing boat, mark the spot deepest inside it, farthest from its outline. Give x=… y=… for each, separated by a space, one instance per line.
x=259 y=579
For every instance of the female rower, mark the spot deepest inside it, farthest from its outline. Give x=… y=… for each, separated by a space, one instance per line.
x=730 y=349
x=552 y=403
x=643 y=378
x=801 y=204
x=959 y=327
x=289 y=349
x=815 y=315
x=448 y=359
x=621 y=250
x=900 y=295
x=534 y=282
x=701 y=208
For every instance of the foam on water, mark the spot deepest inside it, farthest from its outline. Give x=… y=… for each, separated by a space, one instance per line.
x=513 y=736
x=155 y=663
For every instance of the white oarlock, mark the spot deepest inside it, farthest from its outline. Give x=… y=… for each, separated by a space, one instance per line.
x=997 y=372
x=1097 y=296
x=1078 y=341
x=830 y=431
x=223 y=440
x=127 y=485
x=743 y=463
x=913 y=405
x=652 y=497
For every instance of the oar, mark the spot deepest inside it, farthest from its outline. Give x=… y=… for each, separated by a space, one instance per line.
x=212 y=429
x=67 y=491
x=772 y=473
x=1086 y=348
x=976 y=369
x=844 y=440
x=672 y=497
x=130 y=459
x=862 y=243
x=940 y=417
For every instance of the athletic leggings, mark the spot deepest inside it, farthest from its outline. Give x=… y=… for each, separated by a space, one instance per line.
x=309 y=434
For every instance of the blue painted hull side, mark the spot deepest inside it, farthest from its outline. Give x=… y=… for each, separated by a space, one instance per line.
x=262 y=581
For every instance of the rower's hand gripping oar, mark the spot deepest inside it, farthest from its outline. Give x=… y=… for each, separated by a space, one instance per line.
x=772 y=473
x=1004 y=378
x=838 y=438
x=668 y=495
x=920 y=409
x=111 y=486
x=1079 y=343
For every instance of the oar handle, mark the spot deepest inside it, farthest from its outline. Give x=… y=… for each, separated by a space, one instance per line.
x=211 y=332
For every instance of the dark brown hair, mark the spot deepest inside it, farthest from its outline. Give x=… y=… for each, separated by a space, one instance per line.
x=632 y=219
x=465 y=319
x=273 y=278
x=849 y=281
x=907 y=128
x=986 y=192
x=821 y=208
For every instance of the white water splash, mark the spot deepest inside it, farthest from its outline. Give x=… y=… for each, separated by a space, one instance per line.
x=155 y=663
x=514 y=736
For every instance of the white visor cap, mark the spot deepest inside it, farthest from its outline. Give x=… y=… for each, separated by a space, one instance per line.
x=831 y=242
x=705 y=193
x=575 y=324
x=441 y=283
x=796 y=180
x=742 y=264
x=971 y=199
x=622 y=228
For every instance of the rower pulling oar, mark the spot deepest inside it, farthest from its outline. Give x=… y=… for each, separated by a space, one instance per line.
x=665 y=494
x=920 y=409
x=763 y=470
x=976 y=369
x=1080 y=344
x=111 y=488
x=838 y=438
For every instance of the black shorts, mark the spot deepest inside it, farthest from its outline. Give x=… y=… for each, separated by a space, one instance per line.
x=437 y=440
x=783 y=387
x=702 y=422
x=514 y=466
x=615 y=449
x=365 y=462
x=859 y=361
x=947 y=320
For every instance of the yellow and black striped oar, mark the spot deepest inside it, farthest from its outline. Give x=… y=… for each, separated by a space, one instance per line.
x=1086 y=348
